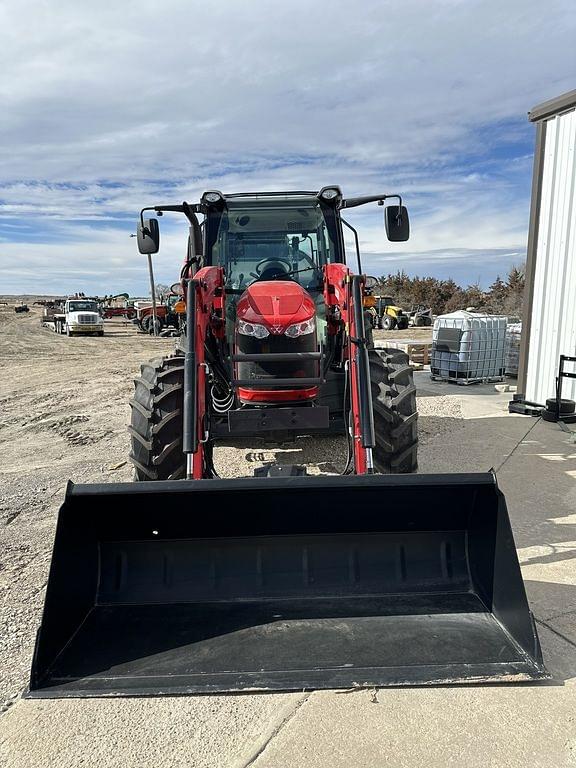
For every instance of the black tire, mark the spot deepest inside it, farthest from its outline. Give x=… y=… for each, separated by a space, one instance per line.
x=148 y=324
x=395 y=414
x=402 y=323
x=566 y=406
x=157 y=424
x=388 y=323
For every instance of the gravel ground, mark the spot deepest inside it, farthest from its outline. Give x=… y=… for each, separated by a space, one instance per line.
x=64 y=410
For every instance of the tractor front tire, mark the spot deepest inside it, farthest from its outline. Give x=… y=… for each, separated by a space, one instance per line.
x=157 y=424
x=388 y=323
x=395 y=414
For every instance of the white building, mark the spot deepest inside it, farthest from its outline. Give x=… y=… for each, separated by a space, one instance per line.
x=549 y=321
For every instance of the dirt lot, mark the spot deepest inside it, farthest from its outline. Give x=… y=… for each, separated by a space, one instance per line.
x=64 y=410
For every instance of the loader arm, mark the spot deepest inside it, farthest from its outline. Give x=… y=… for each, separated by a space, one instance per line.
x=204 y=313
x=343 y=297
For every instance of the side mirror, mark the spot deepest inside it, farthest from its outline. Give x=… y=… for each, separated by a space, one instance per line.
x=148 y=236
x=370 y=282
x=397 y=223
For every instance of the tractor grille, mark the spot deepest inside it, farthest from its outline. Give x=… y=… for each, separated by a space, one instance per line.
x=88 y=319
x=273 y=344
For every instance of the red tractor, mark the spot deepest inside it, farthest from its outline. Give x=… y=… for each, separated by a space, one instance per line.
x=276 y=335
x=196 y=584
x=166 y=316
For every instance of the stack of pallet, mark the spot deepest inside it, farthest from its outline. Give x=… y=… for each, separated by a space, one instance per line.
x=513 y=334
x=418 y=351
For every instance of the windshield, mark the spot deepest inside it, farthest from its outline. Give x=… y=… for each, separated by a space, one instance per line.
x=82 y=306
x=273 y=242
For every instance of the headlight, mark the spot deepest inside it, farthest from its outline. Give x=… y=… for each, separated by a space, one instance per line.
x=301 y=329
x=253 y=329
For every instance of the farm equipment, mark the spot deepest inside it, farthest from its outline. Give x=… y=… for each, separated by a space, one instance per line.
x=118 y=306
x=166 y=315
x=388 y=315
x=188 y=583
x=420 y=316
x=21 y=308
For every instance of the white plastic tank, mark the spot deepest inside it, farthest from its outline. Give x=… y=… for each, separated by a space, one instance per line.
x=468 y=347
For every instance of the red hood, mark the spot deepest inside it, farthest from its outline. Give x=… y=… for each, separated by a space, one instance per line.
x=275 y=304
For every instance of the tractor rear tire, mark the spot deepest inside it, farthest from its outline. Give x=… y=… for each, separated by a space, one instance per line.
x=395 y=414
x=148 y=324
x=157 y=421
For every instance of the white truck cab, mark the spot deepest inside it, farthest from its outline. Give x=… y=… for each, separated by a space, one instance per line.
x=82 y=317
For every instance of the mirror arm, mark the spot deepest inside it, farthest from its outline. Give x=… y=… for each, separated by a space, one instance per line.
x=353 y=202
x=185 y=208
x=357 y=243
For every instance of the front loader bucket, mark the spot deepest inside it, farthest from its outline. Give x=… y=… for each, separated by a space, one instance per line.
x=290 y=583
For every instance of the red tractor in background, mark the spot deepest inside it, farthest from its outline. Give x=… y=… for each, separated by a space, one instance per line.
x=166 y=314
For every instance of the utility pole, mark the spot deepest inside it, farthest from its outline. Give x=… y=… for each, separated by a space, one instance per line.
x=153 y=291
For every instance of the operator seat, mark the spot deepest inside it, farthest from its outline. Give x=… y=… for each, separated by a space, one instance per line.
x=275 y=270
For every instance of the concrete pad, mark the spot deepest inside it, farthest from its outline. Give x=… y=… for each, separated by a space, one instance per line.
x=498 y=726
x=137 y=733
x=559 y=652
x=469 y=445
x=539 y=482
x=472 y=727
x=565 y=625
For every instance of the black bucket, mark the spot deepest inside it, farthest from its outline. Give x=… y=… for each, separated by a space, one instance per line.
x=283 y=584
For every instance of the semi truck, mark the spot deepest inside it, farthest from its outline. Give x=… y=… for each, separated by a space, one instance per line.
x=77 y=317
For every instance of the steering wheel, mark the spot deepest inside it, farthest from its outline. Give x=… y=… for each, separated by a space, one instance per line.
x=270 y=260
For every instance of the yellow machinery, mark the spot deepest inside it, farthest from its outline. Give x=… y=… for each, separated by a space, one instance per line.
x=385 y=313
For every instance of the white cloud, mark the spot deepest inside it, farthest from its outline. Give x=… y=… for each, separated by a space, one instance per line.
x=109 y=107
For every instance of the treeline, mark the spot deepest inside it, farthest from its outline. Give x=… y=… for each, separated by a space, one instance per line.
x=504 y=297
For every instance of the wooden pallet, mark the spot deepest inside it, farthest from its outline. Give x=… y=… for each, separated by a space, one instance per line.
x=418 y=351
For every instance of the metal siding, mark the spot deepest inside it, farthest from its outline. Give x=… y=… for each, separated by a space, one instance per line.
x=553 y=326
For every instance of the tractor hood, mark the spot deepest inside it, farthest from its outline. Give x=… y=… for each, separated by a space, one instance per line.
x=275 y=304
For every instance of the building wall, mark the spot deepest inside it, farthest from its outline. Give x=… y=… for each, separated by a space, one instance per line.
x=552 y=327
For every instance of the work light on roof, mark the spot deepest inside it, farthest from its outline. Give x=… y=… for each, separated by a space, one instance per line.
x=212 y=197
x=329 y=193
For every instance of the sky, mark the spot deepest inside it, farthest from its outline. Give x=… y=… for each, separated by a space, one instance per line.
x=110 y=107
